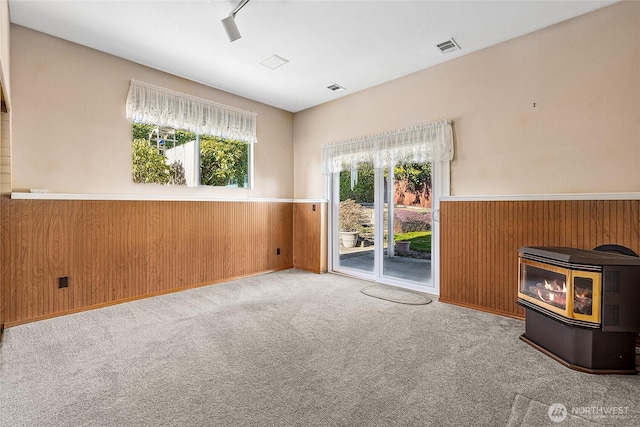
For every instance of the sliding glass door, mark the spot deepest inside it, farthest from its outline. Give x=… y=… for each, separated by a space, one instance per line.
x=384 y=191
x=407 y=213
x=382 y=226
x=355 y=192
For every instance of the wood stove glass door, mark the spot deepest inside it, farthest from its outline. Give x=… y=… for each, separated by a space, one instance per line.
x=545 y=285
x=586 y=295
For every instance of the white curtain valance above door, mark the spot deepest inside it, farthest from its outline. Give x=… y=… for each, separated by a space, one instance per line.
x=151 y=104
x=431 y=142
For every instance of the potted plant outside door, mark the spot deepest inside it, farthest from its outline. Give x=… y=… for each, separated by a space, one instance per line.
x=402 y=247
x=351 y=216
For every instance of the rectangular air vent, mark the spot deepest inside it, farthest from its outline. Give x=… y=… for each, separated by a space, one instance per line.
x=612 y=282
x=448 y=46
x=274 y=61
x=336 y=88
x=611 y=314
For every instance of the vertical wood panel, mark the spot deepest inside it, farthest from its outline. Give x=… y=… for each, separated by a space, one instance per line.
x=480 y=240
x=307 y=236
x=285 y=233
x=118 y=250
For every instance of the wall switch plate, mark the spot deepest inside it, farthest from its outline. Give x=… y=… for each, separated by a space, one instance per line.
x=277 y=251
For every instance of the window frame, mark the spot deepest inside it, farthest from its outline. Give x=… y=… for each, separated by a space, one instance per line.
x=197 y=160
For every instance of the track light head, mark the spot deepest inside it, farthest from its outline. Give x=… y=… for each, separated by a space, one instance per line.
x=229 y=24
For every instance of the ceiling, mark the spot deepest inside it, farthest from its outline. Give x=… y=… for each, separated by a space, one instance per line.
x=355 y=44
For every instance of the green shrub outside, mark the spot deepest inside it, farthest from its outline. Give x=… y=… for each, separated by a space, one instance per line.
x=417 y=176
x=222 y=162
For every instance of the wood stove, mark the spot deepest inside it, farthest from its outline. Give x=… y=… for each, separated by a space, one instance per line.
x=582 y=306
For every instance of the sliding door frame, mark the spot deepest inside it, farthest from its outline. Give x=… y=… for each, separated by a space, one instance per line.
x=440 y=177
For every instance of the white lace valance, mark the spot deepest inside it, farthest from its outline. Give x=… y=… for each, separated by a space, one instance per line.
x=147 y=103
x=432 y=142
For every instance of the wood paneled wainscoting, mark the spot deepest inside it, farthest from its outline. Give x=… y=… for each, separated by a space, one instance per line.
x=480 y=240
x=118 y=250
x=310 y=236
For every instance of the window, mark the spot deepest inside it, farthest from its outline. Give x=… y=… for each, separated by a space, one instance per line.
x=164 y=155
x=178 y=139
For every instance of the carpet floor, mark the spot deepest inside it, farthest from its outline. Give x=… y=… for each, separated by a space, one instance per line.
x=294 y=349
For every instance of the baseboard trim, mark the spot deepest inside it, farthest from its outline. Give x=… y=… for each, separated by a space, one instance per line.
x=310 y=270
x=120 y=301
x=480 y=308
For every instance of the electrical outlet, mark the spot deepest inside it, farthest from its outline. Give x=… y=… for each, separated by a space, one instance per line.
x=277 y=251
x=63 y=282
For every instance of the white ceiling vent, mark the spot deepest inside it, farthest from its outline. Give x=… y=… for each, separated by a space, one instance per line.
x=274 y=61
x=336 y=88
x=448 y=46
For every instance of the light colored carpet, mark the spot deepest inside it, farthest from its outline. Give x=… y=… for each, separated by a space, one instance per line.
x=291 y=349
x=396 y=294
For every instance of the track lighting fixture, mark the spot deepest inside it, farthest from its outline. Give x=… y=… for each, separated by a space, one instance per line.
x=229 y=23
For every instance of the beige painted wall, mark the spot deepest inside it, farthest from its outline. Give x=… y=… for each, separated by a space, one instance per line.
x=5 y=123
x=4 y=49
x=70 y=133
x=5 y=153
x=583 y=136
